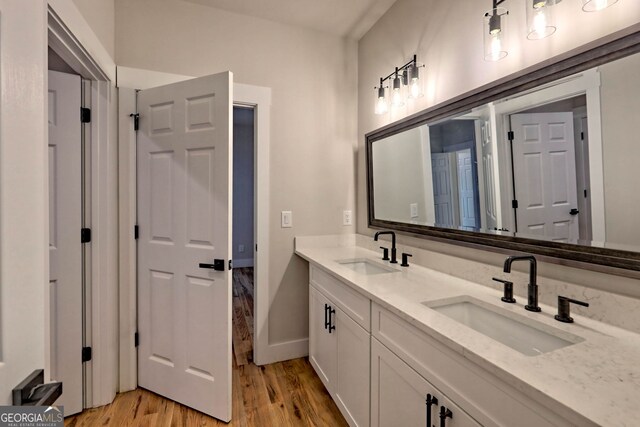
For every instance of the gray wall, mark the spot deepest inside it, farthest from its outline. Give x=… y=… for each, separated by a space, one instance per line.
x=100 y=15
x=243 y=167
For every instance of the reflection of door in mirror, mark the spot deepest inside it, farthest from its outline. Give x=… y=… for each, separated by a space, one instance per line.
x=545 y=175
x=455 y=174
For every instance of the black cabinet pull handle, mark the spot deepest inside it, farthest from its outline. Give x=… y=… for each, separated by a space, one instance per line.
x=431 y=400
x=326 y=316
x=444 y=414
x=331 y=313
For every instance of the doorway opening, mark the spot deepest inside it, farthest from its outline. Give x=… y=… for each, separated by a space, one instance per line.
x=243 y=240
x=550 y=171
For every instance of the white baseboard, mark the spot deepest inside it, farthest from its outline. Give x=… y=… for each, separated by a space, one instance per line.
x=243 y=262
x=282 y=351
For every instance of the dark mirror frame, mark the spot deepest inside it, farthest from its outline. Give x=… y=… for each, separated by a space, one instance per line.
x=615 y=46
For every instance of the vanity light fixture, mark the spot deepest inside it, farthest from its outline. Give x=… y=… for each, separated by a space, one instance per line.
x=540 y=23
x=403 y=79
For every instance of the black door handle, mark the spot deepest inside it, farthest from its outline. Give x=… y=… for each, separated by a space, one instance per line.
x=574 y=211
x=218 y=265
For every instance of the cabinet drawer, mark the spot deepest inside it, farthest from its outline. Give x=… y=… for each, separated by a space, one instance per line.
x=356 y=306
x=485 y=397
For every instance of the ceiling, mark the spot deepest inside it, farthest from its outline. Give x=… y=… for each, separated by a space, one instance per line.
x=350 y=18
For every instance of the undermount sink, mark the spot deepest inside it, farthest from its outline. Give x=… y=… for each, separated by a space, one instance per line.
x=366 y=266
x=520 y=333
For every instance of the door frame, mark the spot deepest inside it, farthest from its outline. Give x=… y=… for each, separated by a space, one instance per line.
x=256 y=97
x=72 y=39
x=585 y=83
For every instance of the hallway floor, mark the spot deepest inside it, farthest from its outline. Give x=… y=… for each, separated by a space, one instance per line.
x=281 y=394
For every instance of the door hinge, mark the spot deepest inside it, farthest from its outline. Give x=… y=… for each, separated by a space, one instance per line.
x=256 y=247
x=86 y=354
x=85 y=115
x=136 y=120
x=230 y=264
x=585 y=193
x=136 y=339
x=582 y=136
x=514 y=204
x=136 y=232
x=510 y=135
x=85 y=235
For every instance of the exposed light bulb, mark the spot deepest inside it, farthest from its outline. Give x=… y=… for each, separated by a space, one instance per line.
x=496 y=48
x=381 y=104
x=540 y=21
x=396 y=94
x=415 y=88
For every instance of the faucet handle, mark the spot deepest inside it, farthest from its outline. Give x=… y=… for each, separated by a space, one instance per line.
x=564 y=307
x=508 y=291
x=385 y=253
x=405 y=259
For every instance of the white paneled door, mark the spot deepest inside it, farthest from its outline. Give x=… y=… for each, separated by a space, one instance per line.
x=65 y=247
x=544 y=165
x=184 y=214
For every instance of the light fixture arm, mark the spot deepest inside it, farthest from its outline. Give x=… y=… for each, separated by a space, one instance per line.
x=399 y=70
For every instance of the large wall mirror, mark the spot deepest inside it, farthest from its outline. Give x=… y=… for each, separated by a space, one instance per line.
x=545 y=162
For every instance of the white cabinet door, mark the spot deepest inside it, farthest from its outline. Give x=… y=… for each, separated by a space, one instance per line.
x=339 y=351
x=353 y=361
x=322 y=344
x=398 y=395
x=184 y=212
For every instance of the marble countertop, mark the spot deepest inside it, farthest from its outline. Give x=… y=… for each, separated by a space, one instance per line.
x=598 y=378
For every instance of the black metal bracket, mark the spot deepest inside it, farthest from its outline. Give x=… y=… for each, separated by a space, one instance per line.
x=136 y=232
x=86 y=354
x=136 y=339
x=136 y=120
x=85 y=235
x=399 y=70
x=32 y=391
x=85 y=115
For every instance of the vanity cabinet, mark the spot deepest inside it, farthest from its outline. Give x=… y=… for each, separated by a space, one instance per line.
x=402 y=397
x=339 y=348
x=483 y=396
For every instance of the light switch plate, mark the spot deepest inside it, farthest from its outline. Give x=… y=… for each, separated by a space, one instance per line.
x=286 y=219
x=414 y=210
x=240 y=248
x=347 y=218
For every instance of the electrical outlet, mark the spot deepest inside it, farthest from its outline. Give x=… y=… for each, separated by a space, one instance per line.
x=347 y=218
x=414 y=210
x=286 y=219
x=241 y=248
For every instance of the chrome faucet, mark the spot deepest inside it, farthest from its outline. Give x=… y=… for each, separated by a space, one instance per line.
x=532 y=298
x=394 y=259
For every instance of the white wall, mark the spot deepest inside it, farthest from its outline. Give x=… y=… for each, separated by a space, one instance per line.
x=313 y=130
x=447 y=36
x=100 y=15
x=620 y=99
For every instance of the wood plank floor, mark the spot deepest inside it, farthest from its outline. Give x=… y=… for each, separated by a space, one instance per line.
x=281 y=394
